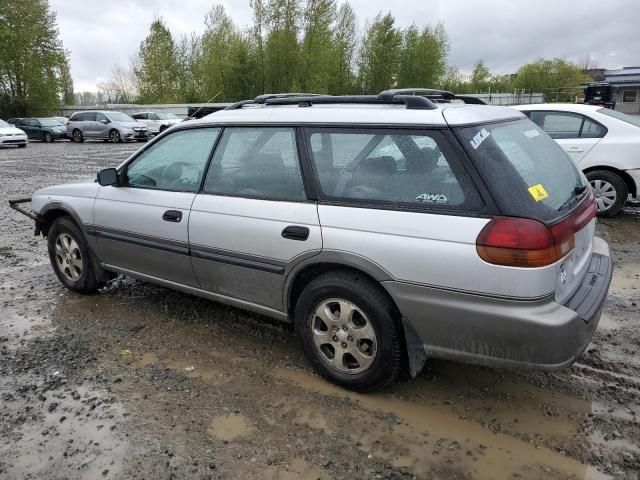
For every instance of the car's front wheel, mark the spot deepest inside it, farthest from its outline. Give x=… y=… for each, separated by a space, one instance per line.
x=349 y=332
x=70 y=257
x=610 y=190
x=114 y=136
x=77 y=136
x=48 y=137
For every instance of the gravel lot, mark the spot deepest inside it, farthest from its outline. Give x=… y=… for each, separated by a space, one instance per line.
x=98 y=386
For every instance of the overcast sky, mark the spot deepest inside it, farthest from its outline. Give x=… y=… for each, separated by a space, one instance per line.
x=504 y=33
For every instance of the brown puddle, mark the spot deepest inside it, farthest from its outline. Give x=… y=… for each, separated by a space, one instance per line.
x=298 y=469
x=424 y=439
x=230 y=427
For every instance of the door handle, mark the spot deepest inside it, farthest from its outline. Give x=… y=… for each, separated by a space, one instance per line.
x=295 y=232
x=172 y=216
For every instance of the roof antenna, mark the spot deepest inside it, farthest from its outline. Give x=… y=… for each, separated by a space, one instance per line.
x=193 y=115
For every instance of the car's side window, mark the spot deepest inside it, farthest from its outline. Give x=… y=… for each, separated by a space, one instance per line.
x=558 y=125
x=176 y=162
x=100 y=117
x=256 y=162
x=591 y=129
x=565 y=125
x=389 y=166
x=89 y=116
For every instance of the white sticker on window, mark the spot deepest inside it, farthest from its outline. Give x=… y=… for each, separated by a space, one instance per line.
x=531 y=133
x=432 y=198
x=478 y=138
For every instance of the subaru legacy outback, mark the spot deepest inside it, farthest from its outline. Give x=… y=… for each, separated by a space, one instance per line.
x=387 y=228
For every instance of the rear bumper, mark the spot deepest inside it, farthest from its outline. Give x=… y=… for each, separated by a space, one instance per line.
x=540 y=334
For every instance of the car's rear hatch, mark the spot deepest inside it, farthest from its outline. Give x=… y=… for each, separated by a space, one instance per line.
x=534 y=182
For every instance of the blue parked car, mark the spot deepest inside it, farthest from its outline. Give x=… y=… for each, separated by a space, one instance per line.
x=46 y=129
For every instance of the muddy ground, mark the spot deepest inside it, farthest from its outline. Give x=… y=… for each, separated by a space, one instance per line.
x=142 y=382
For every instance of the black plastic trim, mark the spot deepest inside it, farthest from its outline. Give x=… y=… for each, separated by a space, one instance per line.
x=239 y=262
x=142 y=242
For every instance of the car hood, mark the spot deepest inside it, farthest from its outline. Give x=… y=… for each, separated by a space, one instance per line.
x=10 y=130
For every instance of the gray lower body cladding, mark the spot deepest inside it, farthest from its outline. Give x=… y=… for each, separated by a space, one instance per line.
x=539 y=334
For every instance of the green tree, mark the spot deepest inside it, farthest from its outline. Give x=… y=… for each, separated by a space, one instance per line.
x=282 y=50
x=423 y=59
x=480 y=77
x=156 y=69
x=66 y=84
x=317 y=46
x=32 y=59
x=378 y=60
x=557 y=78
x=188 y=51
x=341 y=81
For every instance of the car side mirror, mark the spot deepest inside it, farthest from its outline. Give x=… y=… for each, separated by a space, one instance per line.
x=104 y=120
x=107 y=177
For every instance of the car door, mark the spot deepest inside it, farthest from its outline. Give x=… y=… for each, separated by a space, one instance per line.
x=27 y=125
x=574 y=132
x=141 y=226
x=87 y=124
x=101 y=126
x=252 y=222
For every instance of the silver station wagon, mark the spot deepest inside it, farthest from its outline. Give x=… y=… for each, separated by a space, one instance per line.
x=387 y=228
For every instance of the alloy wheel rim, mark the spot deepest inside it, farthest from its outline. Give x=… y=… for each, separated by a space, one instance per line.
x=605 y=193
x=114 y=136
x=77 y=136
x=68 y=256
x=344 y=338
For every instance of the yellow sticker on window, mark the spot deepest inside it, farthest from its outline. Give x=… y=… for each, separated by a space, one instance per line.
x=538 y=192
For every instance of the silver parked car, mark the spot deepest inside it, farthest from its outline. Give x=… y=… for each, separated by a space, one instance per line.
x=105 y=125
x=387 y=228
x=157 y=122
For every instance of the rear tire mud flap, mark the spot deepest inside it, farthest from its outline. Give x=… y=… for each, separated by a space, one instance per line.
x=416 y=356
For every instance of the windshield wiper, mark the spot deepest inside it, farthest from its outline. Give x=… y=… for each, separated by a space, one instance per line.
x=578 y=189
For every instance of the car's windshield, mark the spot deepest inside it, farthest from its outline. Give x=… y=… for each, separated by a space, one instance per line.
x=165 y=116
x=530 y=170
x=49 y=122
x=4 y=124
x=119 y=117
x=620 y=116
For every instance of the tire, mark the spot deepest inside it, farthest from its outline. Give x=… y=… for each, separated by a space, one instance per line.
x=114 y=136
x=48 y=137
x=370 y=309
x=76 y=136
x=71 y=260
x=610 y=190
x=162 y=128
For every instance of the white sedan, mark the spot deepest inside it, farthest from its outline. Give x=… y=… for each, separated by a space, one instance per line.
x=604 y=143
x=10 y=135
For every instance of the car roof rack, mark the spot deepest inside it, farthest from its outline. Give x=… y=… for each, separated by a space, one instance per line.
x=439 y=96
x=308 y=100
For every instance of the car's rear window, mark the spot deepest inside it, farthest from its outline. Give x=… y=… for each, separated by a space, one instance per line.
x=530 y=173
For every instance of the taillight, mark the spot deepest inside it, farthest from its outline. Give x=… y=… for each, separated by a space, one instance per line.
x=524 y=242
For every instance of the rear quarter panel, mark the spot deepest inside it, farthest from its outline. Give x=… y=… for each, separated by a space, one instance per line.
x=429 y=249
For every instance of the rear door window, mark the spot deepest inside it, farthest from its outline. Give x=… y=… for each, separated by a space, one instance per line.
x=566 y=125
x=381 y=166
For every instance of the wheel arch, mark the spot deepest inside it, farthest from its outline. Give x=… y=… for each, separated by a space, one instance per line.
x=54 y=210
x=326 y=262
x=631 y=185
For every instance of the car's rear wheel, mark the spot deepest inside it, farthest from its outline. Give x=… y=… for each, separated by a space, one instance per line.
x=114 y=136
x=610 y=190
x=348 y=329
x=48 y=137
x=77 y=136
x=71 y=258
